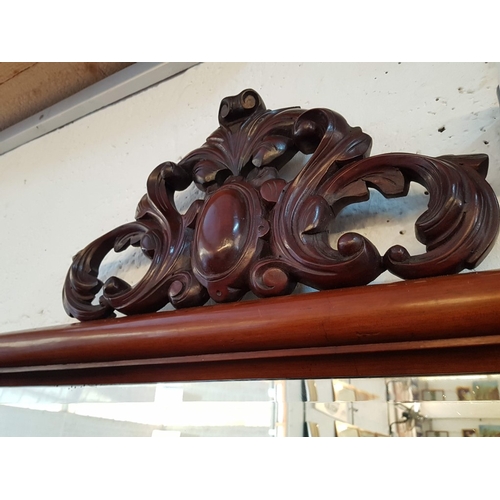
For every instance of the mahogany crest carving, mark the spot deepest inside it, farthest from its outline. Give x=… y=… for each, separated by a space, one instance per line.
x=256 y=232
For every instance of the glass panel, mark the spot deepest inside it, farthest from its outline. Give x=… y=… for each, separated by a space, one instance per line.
x=158 y=410
x=459 y=406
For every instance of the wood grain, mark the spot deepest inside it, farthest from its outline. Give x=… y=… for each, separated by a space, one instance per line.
x=438 y=325
x=9 y=70
x=29 y=88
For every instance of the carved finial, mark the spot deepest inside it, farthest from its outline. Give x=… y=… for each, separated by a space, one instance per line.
x=256 y=231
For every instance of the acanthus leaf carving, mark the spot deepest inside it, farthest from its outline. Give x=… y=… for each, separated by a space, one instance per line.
x=256 y=231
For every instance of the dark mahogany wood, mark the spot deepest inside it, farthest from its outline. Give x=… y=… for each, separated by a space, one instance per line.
x=429 y=326
x=458 y=359
x=255 y=231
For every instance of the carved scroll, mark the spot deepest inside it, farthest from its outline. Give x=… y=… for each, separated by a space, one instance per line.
x=255 y=231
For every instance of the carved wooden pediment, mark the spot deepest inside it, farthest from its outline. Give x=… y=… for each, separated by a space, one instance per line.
x=255 y=231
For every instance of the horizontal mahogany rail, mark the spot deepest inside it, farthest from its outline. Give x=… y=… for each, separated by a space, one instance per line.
x=441 y=325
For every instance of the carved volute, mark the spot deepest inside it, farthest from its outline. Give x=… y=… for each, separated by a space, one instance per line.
x=256 y=231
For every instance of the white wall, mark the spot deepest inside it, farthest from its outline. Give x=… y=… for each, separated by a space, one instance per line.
x=63 y=190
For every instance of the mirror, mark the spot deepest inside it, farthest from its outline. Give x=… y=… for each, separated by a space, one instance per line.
x=453 y=406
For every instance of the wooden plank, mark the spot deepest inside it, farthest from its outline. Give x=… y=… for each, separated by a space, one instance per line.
x=434 y=326
x=9 y=70
x=120 y=85
x=29 y=88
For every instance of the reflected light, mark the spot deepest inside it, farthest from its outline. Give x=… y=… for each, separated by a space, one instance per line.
x=338 y=386
x=341 y=426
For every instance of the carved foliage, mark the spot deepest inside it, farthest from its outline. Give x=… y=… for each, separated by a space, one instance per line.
x=255 y=231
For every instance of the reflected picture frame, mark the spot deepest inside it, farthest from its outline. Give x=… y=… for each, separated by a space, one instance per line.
x=469 y=433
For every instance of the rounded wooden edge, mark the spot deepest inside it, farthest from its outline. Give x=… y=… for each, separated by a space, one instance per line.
x=380 y=324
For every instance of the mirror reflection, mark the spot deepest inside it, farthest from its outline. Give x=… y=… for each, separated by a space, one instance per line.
x=459 y=406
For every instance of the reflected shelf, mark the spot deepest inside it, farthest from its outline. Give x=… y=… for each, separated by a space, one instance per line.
x=360 y=407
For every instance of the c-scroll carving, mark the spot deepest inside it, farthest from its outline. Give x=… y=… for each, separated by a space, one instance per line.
x=256 y=231
x=163 y=234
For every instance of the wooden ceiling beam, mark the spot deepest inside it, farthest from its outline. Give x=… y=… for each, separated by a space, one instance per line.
x=27 y=88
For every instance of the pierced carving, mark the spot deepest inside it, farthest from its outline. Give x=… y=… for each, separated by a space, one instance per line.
x=255 y=231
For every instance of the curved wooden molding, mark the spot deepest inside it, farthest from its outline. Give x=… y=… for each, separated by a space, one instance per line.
x=434 y=326
x=256 y=232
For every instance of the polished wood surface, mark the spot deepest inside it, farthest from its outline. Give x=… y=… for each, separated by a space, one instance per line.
x=256 y=232
x=439 y=325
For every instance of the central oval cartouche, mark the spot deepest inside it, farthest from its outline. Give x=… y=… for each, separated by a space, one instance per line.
x=222 y=231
